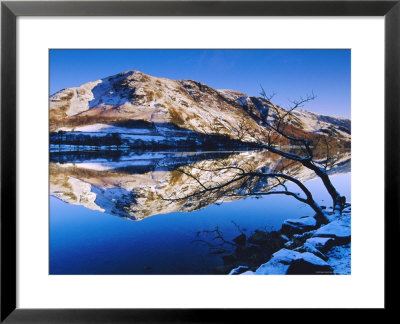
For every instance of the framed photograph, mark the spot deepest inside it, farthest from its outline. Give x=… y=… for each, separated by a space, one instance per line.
x=193 y=160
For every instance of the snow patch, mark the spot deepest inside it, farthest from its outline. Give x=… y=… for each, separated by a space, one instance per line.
x=339 y=258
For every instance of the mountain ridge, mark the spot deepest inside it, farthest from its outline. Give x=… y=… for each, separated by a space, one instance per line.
x=188 y=104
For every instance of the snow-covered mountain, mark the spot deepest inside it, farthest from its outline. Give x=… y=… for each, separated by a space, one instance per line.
x=111 y=104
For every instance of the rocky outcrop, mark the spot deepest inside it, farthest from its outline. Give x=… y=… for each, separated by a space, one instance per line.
x=297 y=226
x=325 y=250
x=323 y=244
x=309 y=264
x=292 y=262
x=338 y=231
x=307 y=247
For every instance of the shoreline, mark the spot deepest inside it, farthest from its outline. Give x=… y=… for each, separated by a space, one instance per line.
x=310 y=249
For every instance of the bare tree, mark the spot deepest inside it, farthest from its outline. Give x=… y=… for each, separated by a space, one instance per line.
x=279 y=123
x=224 y=181
x=246 y=181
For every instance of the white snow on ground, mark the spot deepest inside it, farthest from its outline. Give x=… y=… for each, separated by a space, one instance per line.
x=339 y=228
x=80 y=101
x=329 y=245
x=145 y=138
x=92 y=94
x=307 y=247
x=304 y=221
x=125 y=130
x=81 y=96
x=279 y=262
x=319 y=243
x=313 y=122
x=128 y=134
x=107 y=93
x=92 y=128
x=340 y=259
x=105 y=128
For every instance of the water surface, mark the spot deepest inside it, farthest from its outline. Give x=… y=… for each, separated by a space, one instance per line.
x=113 y=216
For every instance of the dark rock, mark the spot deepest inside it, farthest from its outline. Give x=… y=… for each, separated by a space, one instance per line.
x=240 y=240
x=296 y=241
x=323 y=244
x=259 y=238
x=229 y=259
x=224 y=269
x=304 y=267
x=257 y=258
x=244 y=252
x=216 y=252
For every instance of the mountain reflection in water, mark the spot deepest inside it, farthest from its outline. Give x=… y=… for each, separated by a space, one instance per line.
x=138 y=185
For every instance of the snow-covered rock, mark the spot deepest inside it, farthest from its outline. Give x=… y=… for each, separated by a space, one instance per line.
x=297 y=226
x=322 y=244
x=285 y=238
x=293 y=262
x=279 y=263
x=307 y=247
x=303 y=236
x=309 y=263
x=239 y=270
x=339 y=230
x=289 y=244
x=325 y=250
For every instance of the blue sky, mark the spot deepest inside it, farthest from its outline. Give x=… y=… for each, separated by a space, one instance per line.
x=289 y=73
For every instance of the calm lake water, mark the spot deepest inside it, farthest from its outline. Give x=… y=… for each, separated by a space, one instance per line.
x=135 y=213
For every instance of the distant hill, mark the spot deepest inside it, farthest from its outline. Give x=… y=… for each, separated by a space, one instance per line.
x=137 y=105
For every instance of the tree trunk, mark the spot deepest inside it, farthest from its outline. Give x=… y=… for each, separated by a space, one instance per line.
x=337 y=200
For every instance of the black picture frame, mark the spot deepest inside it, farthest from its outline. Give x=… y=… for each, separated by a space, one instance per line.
x=10 y=10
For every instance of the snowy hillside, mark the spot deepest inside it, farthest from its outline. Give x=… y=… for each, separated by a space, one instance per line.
x=104 y=105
